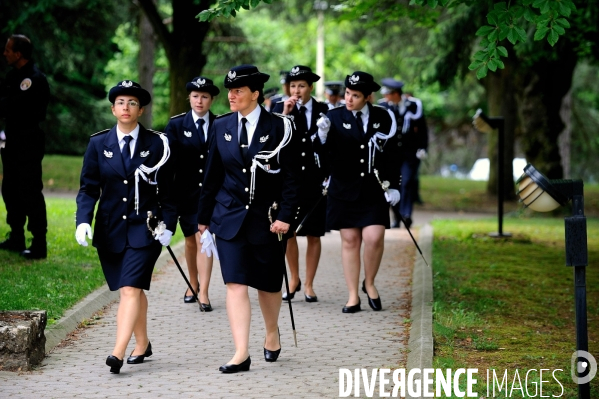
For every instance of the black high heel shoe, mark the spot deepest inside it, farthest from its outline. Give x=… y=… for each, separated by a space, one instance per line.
x=140 y=358
x=375 y=303
x=205 y=307
x=235 y=368
x=115 y=364
x=272 y=356
x=190 y=298
x=291 y=295
x=352 y=309
x=311 y=298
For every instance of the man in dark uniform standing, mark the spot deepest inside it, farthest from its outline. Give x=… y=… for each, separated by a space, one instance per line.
x=24 y=97
x=412 y=139
x=333 y=93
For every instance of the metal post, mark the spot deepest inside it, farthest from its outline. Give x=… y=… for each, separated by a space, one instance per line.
x=499 y=123
x=577 y=256
x=320 y=6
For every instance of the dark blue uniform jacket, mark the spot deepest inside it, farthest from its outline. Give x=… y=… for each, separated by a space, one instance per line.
x=103 y=178
x=347 y=149
x=225 y=198
x=189 y=152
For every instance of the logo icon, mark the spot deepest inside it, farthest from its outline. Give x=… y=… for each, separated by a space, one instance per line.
x=127 y=83
x=25 y=84
x=294 y=71
x=347 y=125
x=228 y=137
x=187 y=134
x=263 y=139
x=584 y=367
x=231 y=75
x=354 y=79
x=144 y=154
x=108 y=154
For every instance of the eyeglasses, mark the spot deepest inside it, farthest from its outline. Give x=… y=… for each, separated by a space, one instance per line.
x=131 y=103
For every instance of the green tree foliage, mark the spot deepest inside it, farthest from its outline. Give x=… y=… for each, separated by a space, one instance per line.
x=72 y=43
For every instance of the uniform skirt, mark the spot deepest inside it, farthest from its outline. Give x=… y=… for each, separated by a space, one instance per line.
x=130 y=268
x=365 y=211
x=257 y=266
x=315 y=224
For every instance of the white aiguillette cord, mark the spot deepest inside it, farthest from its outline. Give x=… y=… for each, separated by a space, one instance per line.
x=144 y=171
x=263 y=155
x=373 y=145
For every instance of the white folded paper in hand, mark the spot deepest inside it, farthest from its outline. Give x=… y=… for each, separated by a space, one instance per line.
x=84 y=229
x=392 y=196
x=208 y=244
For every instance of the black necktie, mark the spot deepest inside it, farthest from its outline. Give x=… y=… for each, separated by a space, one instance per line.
x=243 y=139
x=126 y=153
x=302 y=111
x=359 y=121
x=200 y=127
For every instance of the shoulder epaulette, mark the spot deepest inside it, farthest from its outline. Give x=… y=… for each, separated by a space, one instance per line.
x=177 y=116
x=379 y=106
x=154 y=131
x=100 y=132
x=279 y=102
x=220 y=116
x=337 y=107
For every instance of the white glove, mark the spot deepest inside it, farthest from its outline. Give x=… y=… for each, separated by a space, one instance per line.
x=84 y=229
x=164 y=238
x=392 y=196
x=421 y=153
x=208 y=245
x=324 y=124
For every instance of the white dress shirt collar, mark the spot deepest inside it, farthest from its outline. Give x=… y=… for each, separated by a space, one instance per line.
x=252 y=122
x=134 y=133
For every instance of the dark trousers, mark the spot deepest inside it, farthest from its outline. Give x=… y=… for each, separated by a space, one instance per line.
x=409 y=187
x=22 y=190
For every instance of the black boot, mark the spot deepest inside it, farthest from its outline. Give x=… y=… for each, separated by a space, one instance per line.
x=38 y=248
x=15 y=242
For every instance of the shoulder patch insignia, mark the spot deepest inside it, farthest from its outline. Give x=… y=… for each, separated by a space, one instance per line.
x=100 y=132
x=25 y=84
x=178 y=116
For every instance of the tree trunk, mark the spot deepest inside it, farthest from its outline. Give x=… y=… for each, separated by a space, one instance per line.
x=183 y=45
x=146 y=66
x=501 y=101
x=544 y=86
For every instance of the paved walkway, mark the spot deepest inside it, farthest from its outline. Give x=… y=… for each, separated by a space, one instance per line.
x=189 y=346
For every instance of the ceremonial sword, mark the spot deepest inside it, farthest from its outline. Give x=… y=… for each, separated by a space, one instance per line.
x=159 y=229
x=385 y=186
x=274 y=206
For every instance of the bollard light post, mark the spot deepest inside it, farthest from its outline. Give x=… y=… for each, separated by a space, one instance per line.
x=486 y=124
x=543 y=195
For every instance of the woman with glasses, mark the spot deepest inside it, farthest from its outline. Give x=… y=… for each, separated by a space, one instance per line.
x=188 y=138
x=248 y=201
x=364 y=178
x=305 y=110
x=124 y=168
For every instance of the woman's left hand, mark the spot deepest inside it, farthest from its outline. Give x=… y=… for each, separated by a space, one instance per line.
x=279 y=227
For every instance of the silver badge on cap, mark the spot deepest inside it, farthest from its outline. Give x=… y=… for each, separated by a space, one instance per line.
x=126 y=83
x=199 y=83
x=294 y=71
x=231 y=75
x=354 y=79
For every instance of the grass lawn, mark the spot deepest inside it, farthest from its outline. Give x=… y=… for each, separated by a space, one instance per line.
x=508 y=304
x=54 y=284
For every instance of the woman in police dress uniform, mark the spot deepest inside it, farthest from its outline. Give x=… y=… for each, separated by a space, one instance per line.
x=305 y=111
x=355 y=137
x=124 y=168
x=250 y=166
x=188 y=139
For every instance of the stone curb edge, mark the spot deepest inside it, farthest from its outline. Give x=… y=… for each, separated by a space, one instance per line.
x=94 y=302
x=420 y=344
